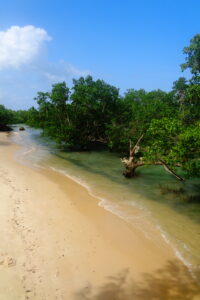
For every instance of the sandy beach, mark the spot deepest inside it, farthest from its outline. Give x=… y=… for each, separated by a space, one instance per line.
x=58 y=243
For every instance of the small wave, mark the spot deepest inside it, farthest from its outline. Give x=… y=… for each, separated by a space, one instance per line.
x=74 y=178
x=29 y=150
x=177 y=252
x=103 y=202
x=138 y=220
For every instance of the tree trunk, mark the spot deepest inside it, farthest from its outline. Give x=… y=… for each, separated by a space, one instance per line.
x=129 y=171
x=131 y=163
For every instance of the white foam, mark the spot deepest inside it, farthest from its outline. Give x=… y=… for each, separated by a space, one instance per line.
x=29 y=150
x=138 y=220
x=177 y=252
x=112 y=207
x=103 y=202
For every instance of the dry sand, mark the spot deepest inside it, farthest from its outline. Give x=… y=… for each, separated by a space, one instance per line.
x=57 y=243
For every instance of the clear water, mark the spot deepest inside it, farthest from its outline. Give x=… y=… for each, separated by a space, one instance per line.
x=171 y=213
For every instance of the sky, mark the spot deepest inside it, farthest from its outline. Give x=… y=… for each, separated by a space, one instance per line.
x=127 y=43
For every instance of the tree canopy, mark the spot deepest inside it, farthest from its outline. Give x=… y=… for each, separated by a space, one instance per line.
x=92 y=113
x=192 y=59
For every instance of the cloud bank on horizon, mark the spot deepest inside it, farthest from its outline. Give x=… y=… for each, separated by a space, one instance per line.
x=25 y=68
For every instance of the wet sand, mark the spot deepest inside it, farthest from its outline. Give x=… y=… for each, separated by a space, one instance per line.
x=58 y=243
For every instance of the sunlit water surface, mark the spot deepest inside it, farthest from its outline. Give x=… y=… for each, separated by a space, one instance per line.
x=170 y=212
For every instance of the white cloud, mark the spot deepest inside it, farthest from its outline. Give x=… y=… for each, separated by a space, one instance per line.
x=18 y=87
x=76 y=71
x=24 y=70
x=61 y=71
x=21 y=45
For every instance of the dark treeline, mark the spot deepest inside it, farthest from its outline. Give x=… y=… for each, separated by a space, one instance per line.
x=8 y=117
x=163 y=126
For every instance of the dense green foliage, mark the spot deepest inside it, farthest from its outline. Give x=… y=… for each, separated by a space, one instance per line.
x=19 y=116
x=92 y=112
x=8 y=116
x=192 y=53
x=5 y=118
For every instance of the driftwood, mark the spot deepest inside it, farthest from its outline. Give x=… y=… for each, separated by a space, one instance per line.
x=132 y=163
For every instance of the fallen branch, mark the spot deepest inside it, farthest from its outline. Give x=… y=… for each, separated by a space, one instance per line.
x=168 y=169
x=131 y=163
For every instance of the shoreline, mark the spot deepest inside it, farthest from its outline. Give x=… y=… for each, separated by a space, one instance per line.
x=134 y=211
x=58 y=243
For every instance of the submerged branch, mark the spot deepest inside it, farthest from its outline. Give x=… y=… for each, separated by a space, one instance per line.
x=132 y=165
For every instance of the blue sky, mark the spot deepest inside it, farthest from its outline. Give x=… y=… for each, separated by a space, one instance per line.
x=130 y=44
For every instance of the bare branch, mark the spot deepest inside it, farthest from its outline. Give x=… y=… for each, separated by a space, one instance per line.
x=168 y=169
x=139 y=140
x=131 y=163
x=137 y=147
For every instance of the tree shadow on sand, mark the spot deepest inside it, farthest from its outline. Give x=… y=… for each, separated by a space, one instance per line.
x=174 y=282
